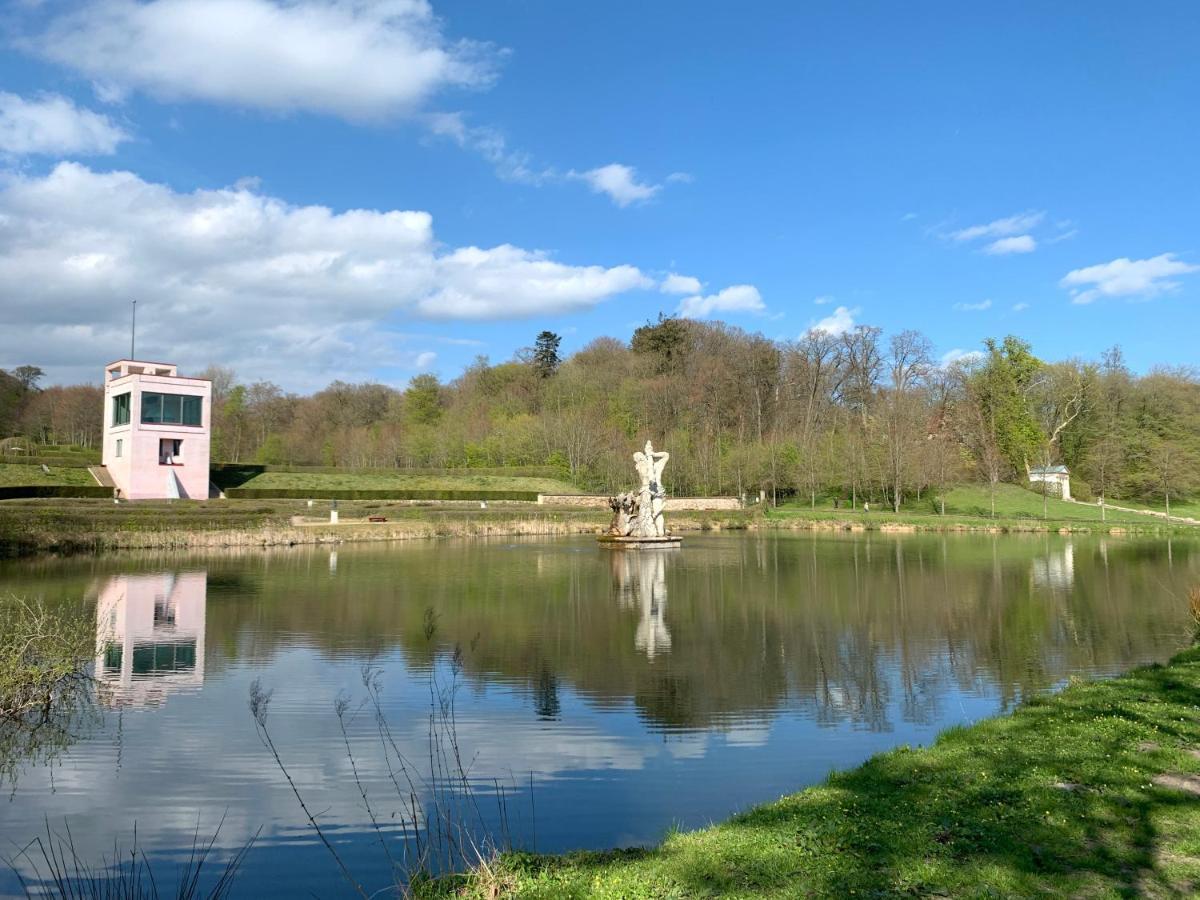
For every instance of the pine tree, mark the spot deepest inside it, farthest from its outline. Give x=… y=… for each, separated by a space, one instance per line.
x=545 y=354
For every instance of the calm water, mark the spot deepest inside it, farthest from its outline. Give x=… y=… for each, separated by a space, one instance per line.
x=632 y=691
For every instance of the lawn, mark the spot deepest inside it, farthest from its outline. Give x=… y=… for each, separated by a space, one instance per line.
x=386 y=479
x=20 y=475
x=1014 y=505
x=1091 y=793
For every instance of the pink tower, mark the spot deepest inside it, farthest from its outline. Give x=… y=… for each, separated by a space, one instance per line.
x=157 y=428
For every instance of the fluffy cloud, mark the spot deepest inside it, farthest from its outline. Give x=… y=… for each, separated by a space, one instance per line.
x=1021 y=243
x=619 y=182
x=1021 y=222
x=236 y=277
x=1020 y=307
x=973 y=307
x=958 y=355
x=508 y=282
x=823 y=300
x=1126 y=277
x=737 y=298
x=359 y=60
x=680 y=284
x=54 y=125
x=840 y=321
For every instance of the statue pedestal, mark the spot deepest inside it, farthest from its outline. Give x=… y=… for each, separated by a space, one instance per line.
x=622 y=542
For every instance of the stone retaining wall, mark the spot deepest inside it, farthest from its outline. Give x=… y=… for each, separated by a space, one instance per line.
x=673 y=504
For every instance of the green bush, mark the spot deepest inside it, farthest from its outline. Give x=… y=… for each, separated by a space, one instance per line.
x=318 y=493
x=21 y=492
x=1081 y=490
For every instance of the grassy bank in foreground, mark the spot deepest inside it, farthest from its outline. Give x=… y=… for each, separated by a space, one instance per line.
x=1089 y=793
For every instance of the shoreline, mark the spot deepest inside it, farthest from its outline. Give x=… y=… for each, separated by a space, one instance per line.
x=1092 y=791
x=30 y=528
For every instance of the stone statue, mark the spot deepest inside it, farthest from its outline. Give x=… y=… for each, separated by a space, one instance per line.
x=625 y=514
x=651 y=496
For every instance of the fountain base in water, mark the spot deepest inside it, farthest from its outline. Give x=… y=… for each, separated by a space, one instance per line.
x=633 y=542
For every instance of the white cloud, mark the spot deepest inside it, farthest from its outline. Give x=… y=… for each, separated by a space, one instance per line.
x=973 y=307
x=1126 y=277
x=823 y=300
x=1020 y=307
x=507 y=282
x=1021 y=243
x=680 y=178
x=736 y=298
x=237 y=277
x=619 y=182
x=681 y=284
x=1017 y=224
x=958 y=355
x=54 y=125
x=840 y=321
x=491 y=144
x=425 y=361
x=362 y=59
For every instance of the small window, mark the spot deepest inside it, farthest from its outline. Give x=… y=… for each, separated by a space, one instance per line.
x=169 y=452
x=120 y=414
x=120 y=448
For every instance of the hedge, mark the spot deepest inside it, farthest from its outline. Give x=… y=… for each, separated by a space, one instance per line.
x=353 y=494
x=21 y=492
x=511 y=471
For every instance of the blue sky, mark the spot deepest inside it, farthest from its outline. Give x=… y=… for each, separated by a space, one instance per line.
x=964 y=170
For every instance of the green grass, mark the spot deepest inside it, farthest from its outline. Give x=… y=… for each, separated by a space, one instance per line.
x=387 y=479
x=13 y=474
x=970 y=505
x=1058 y=799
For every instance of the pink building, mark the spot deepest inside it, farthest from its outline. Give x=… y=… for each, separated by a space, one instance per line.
x=156 y=430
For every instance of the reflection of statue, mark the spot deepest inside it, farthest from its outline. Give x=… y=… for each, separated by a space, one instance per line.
x=641 y=582
x=651 y=496
x=150 y=636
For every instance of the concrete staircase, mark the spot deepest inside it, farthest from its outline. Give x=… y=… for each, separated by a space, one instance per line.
x=100 y=473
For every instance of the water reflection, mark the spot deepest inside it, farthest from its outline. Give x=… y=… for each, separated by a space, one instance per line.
x=150 y=637
x=778 y=658
x=1056 y=569
x=640 y=579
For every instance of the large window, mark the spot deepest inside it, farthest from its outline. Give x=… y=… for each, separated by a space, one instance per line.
x=121 y=409
x=170 y=409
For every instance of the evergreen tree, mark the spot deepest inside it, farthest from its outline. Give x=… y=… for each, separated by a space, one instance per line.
x=545 y=354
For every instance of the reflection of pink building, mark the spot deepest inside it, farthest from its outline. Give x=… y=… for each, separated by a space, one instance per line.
x=150 y=636
x=156 y=430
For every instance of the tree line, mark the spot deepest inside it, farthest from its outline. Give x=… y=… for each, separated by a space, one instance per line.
x=857 y=416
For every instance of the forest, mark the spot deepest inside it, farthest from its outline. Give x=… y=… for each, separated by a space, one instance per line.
x=857 y=416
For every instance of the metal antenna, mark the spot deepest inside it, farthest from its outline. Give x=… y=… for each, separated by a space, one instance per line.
x=133 y=332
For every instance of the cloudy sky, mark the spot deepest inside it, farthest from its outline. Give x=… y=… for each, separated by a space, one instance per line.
x=367 y=189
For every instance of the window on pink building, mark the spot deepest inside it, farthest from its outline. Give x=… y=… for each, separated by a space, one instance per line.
x=169 y=452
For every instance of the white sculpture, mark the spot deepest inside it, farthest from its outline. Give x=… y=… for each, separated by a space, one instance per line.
x=640 y=514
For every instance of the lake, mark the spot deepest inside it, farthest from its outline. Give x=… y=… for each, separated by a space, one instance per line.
x=598 y=697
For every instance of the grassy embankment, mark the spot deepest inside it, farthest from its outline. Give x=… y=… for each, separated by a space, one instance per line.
x=19 y=475
x=1091 y=793
x=968 y=507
